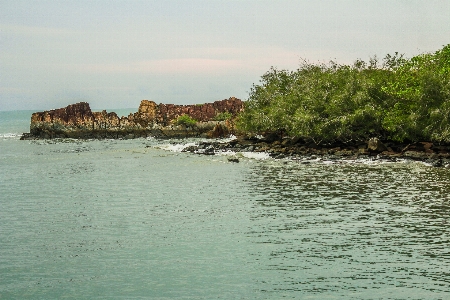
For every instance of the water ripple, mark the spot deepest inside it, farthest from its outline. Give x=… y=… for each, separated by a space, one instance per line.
x=349 y=229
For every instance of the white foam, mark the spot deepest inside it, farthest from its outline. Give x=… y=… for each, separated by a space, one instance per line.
x=246 y=154
x=255 y=155
x=226 y=153
x=10 y=135
x=176 y=147
x=232 y=137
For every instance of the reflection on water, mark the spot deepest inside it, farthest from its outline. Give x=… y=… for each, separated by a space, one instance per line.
x=351 y=230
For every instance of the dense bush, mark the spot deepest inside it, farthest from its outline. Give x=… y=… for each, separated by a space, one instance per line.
x=399 y=99
x=185 y=120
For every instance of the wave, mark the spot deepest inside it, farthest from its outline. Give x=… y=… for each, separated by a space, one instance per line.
x=246 y=154
x=179 y=147
x=176 y=147
x=10 y=135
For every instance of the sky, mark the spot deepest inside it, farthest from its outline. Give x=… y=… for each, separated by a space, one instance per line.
x=113 y=54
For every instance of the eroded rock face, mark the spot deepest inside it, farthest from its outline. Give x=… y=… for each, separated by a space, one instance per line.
x=203 y=113
x=51 y=123
x=151 y=119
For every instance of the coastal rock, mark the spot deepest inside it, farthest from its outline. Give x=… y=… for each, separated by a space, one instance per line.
x=218 y=131
x=233 y=159
x=416 y=155
x=298 y=153
x=420 y=146
x=53 y=123
x=151 y=119
x=374 y=144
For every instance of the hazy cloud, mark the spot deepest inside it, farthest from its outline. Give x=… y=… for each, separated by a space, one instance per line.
x=113 y=54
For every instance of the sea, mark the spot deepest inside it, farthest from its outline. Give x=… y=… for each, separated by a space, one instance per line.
x=139 y=219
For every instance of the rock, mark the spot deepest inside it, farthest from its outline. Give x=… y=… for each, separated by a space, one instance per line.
x=437 y=163
x=78 y=121
x=276 y=143
x=27 y=136
x=296 y=140
x=206 y=151
x=286 y=142
x=166 y=113
x=233 y=159
x=344 y=153
x=190 y=149
x=427 y=146
x=374 y=144
x=417 y=155
x=271 y=137
x=218 y=131
x=313 y=146
x=363 y=151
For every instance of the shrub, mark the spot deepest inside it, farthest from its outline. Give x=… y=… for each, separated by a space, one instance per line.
x=223 y=116
x=185 y=120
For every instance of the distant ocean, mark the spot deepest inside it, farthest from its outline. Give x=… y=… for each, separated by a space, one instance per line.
x=139 y=219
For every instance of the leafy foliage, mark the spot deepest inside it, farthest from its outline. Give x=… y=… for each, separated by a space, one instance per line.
x=401 y=99
x=185 y=120
x=222 y=116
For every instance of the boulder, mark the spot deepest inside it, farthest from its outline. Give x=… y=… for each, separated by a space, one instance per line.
x=233 y=159
x=218 y=131
x=375 y=145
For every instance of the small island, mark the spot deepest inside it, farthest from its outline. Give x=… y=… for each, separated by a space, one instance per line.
x=157 y=120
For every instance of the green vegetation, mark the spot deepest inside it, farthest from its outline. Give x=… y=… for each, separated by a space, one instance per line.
x=185 y=120
x=398 y=98
x=223 y=116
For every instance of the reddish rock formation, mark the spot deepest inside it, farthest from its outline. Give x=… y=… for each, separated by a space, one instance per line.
x=78 y=121
x=73 y=114
x=203 y=113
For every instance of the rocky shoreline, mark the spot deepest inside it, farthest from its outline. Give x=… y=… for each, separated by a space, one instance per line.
x=160 y=121
x=297 y=149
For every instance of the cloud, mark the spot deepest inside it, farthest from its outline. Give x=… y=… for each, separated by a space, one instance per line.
x=206 y=61
x=161 y=66
x=34 y=31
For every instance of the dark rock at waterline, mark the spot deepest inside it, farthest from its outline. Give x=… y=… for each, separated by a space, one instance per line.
x=438 y=163
x=271 y=137
x=190 y=149
x=435 y=155
x=208 y=151
x=374 y=144
x=205 y=149
x=233 y=159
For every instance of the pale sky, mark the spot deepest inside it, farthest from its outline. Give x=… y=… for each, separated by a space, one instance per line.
x=113 y=54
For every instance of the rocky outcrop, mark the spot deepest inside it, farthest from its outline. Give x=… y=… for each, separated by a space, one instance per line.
x=151 y=119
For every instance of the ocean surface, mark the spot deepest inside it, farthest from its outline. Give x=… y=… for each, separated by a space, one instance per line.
x=138 y=219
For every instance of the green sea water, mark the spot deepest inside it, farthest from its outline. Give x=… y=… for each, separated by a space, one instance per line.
x=138 y=219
